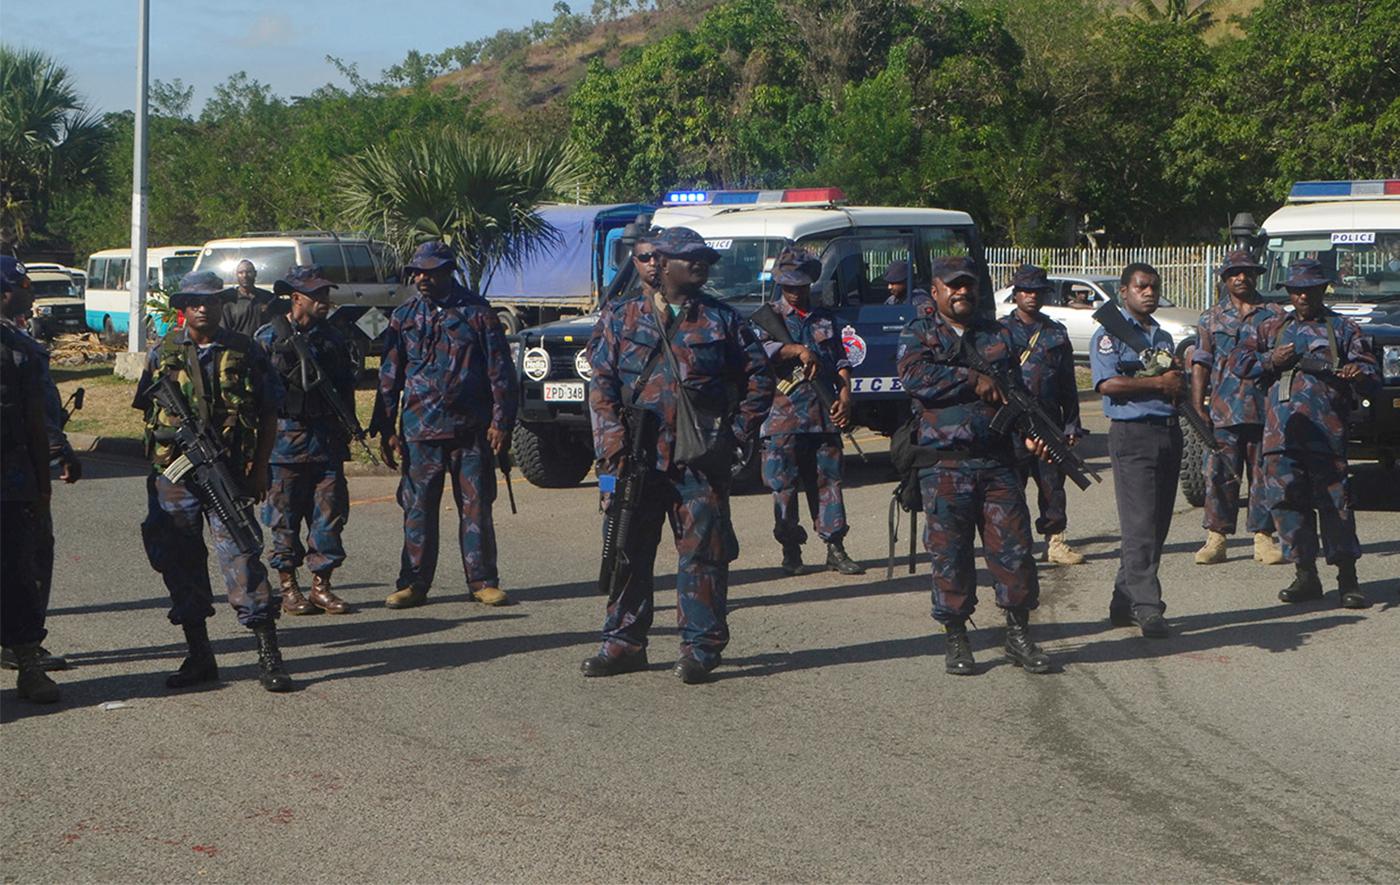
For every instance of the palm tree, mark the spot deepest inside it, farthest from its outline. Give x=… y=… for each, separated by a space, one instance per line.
x=479 y=195
x=49 y=140
x=1197 y=16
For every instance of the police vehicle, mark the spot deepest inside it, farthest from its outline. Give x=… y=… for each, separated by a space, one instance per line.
x=1353 y=228
x=553 y=442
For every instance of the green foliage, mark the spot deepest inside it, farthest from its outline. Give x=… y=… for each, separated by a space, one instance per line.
x=479 y=195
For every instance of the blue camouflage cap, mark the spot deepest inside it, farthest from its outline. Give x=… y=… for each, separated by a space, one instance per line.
x=951 y=267
x=796 y=267
x=431 y=256
x=1031 y=278
x=308 y=279
x=1239 y=259
x=682 y=242
x=199 y=284
x=897 y=272
x=1304 y=274
x=13 y=273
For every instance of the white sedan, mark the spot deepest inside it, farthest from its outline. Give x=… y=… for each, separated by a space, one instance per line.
x=1075 y=298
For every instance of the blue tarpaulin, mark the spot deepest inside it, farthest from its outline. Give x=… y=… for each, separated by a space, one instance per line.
x=565 y=272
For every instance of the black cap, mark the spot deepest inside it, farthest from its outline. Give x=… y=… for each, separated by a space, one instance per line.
x=682 y=242
x=308 y=279
x=897 y=272
x=1032 y=278
x=951 y=267
x=796 y=267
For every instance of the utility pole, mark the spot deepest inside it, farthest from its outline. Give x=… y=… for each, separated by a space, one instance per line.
x=130 y=367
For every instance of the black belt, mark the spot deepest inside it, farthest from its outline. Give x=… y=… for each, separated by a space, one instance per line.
x=1158 y=420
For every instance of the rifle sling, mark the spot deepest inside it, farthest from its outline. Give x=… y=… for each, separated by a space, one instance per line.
x=201 y=390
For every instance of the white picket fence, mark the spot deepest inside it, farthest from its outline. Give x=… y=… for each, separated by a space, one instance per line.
x=1188 y=272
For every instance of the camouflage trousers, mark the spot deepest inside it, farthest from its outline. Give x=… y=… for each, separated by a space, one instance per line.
x=961 y=501
x=1302 y=488
x=426 y=467
x=698 y=511
x=23 y=599
x=314 y=493
x=813 y=461
x=173 y=534
x=1240 y=446
x=1051 y=501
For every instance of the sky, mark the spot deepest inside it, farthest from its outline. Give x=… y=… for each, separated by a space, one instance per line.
x=282 y=44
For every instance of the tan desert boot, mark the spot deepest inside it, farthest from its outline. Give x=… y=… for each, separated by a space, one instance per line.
x=1265 y=550
x=1057 y=551
x=1213 y=551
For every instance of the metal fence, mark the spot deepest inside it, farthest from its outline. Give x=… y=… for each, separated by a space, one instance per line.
x=1188 y=272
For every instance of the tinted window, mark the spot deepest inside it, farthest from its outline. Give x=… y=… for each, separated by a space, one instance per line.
x=172 y=269
x=327 y=255
x=97 y=270
x=116 y=277
x=361 y=264
x=51 y=288
x=271 y=262
x=389 y=264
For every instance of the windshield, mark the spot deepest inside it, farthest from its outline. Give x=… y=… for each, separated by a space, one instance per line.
x=52 y=288
x=172 y=269
x=743 y=269
x=1368 y=270
x=271 y=262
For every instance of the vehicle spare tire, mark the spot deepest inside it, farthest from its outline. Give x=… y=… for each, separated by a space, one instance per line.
x=1193 y=470
x=548 y=458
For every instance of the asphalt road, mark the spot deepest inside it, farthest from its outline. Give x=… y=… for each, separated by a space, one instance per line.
x=454 y=742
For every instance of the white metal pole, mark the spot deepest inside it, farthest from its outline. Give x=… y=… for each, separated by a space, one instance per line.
x=136 y=330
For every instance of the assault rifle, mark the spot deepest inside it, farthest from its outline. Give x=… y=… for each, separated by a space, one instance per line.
x=1024 y=414
x=505 y=464
x=1155 y=362
x=321 y=383
x=205 y=461
x=768 y=319
x=627 y=489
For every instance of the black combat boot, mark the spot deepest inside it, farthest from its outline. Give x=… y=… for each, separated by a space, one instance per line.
x=1306 y=584
x=1019 y=648
x=1348 y=589
x=271 y=672
x=47 y=660
x=199 y=666
x=957 y=651
x=838 y=561
x=792 y=559
x=34 y=684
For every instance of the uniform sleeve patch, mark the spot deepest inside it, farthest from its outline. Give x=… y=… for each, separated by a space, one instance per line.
x=1106 y=345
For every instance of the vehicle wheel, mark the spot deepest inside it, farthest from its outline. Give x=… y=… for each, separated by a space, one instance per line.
x=109 y=333
x=548 y=458
x=746 y=477
x=510 y=322
x=1193 y=470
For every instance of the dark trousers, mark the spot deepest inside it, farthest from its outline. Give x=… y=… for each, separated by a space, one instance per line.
x=314 y=493
x=698 y=511
x=812 y=461
x=23 y=598
x=1240 y=446
x=426 y=466
x=1146 y=460
x=1050 y=498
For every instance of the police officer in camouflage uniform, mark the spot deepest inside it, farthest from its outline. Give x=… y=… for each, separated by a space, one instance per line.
x=252 y=306
x=1309 y=364
x=229 y=384
x=802 y=440
x=1046 y=356
x=17 y=303
x=308 y=461
x=974 y=484
x=899 y=283
x=1236 y=409
x=447 y=362
x=718 y=361
x=1144 y=446
x=24 y=495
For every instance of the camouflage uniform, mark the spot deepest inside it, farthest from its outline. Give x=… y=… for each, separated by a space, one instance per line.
x=718 y=358
x=1047 y=368
x=449 y=362
x=976 y=488
x=307 y=464
x=1237 y=414
x=1304 y=442
x=242 y=386
x=800 y=441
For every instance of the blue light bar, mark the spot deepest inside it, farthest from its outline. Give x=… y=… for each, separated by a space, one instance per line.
x=686 y=198
x=1321 y=189
x=735 y=198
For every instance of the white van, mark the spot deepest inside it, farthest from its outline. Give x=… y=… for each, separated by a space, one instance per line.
x=366 y=272
x=108 y=296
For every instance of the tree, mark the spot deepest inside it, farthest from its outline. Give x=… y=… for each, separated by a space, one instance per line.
x=479 y=195
x=49 y=141
x=1198 y=16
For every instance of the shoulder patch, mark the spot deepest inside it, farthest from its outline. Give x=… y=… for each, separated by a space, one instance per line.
x=1106 y=345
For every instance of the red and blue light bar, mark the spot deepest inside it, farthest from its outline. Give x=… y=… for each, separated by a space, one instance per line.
x=754 y=197
x=1368 y=189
